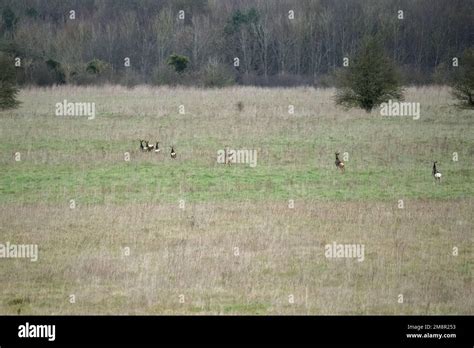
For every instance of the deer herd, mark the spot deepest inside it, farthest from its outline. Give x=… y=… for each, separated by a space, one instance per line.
x=147 y=147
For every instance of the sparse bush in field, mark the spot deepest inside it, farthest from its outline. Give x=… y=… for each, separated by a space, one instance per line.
x=56 y=70
x=8 y=88
x=217 y=75
x=32 y=13
x=463 y=84
x=369 y=80
x=166 y=75
x=97 y=67
x=179 y=63
x=42 y=75
x=95 y=72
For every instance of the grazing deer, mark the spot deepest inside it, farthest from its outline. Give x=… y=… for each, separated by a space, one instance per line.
x=157 y=147
x=143 y=145
x=173 y=153
x=437 y=175
x=339 y=163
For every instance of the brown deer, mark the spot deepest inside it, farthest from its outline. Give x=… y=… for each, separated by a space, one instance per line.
x=173 y=153
x=339 y=163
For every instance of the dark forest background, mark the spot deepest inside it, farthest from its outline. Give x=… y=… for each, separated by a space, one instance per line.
x=273 y=50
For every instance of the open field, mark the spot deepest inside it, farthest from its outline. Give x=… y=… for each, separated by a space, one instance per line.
x=236 y=247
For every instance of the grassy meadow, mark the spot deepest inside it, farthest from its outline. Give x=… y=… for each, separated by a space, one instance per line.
x=153 y=235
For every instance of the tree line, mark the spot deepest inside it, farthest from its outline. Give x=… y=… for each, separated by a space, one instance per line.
x=222 y=42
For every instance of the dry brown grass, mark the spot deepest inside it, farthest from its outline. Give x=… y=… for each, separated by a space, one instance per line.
x=281 y=253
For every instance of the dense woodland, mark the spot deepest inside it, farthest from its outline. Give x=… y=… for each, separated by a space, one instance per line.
x=277 y=42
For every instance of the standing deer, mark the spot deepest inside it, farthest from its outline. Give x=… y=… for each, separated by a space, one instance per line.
x=339 y=163
x=437 y=175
